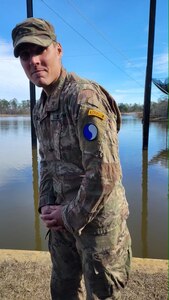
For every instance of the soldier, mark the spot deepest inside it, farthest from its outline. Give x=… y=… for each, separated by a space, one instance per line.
x=82 y=199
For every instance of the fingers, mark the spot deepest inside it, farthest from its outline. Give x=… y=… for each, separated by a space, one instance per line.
x=52 y=218
x=47 y=209
x=47 y=217
x=53 y=207
x=49 y=220
x=50 y=224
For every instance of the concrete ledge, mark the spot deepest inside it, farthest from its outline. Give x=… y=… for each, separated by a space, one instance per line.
x=25 y=275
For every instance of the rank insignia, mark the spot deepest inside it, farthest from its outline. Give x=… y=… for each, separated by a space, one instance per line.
x=90 y=132
x=95 y=113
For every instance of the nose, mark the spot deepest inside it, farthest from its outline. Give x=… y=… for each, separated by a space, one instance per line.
x=34 y=59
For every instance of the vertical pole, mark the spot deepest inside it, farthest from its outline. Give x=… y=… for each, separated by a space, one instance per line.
x=38 y=245
x=144 y=219
x=34 y=149
x=147 y=91
x=31 y=85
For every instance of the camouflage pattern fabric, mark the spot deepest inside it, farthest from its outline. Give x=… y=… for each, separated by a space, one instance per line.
x=93 y=261
x=35 y=31
x=80 y=169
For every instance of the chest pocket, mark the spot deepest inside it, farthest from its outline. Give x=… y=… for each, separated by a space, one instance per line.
x=42 y=126
x=63 y=135
x=55 y=129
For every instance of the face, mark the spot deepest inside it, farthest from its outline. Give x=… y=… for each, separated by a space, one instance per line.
x=41 y=65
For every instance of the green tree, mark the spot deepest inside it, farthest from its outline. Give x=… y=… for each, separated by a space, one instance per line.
x=159 y=109
x=4 y=106
x=13 y=105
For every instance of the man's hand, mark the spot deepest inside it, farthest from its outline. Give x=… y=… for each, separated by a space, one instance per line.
x=47 y=209
x=52 y=217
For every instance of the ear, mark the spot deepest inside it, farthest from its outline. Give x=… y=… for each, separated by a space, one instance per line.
x=59 y=49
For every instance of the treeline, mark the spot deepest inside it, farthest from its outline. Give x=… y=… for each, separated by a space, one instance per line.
x=130 y=108
x=13 y=107
x=158 y=109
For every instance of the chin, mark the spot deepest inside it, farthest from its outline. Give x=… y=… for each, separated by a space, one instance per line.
x=39 y=83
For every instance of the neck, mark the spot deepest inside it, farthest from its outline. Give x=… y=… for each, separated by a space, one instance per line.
x=49 y=88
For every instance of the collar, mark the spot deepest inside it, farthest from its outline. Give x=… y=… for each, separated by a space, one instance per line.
x=51 y=102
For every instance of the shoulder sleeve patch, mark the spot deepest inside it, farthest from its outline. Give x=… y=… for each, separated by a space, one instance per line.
x=90 y=132
x=95 y=113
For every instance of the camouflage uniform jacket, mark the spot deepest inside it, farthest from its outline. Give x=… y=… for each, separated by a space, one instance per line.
x=77 y=131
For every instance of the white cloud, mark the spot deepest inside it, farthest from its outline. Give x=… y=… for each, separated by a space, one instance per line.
x=13 y=81
x=160 y=64
x=130 y=95
x=133 y=91
x=138 y=65
x=5 y=49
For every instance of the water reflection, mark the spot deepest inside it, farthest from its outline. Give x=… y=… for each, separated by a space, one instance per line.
x=38 y=245
x=145 y=177
x=144 y=217
x=14 y=124
x=160 y=158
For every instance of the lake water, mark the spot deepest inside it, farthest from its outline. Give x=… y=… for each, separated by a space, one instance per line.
x=145 y=177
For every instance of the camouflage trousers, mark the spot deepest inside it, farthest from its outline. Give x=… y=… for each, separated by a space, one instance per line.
x=88 y=266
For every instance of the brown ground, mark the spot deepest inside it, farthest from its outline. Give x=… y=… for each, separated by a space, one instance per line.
x=25 y=275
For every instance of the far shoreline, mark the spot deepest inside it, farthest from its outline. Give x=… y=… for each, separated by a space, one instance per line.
x=15 y=115
x=138 y=114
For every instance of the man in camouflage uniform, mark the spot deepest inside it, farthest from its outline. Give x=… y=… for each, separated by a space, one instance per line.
x=82 y=200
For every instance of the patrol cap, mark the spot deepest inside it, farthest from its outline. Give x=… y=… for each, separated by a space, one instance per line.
x=33 y=30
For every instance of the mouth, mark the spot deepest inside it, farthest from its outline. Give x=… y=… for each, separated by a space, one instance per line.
x=37 y=72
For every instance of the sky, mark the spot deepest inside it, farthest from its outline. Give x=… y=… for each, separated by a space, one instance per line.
x=105 y=41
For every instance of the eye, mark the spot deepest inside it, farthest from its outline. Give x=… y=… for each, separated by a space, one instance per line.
x=24 y=55
x=39 y=50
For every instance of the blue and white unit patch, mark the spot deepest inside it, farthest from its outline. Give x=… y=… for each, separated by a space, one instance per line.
x=90 y=132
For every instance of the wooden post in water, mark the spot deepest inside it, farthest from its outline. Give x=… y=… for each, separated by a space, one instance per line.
x=31 y=85
x=144 y=214
x=34 y=149
x=148 y=80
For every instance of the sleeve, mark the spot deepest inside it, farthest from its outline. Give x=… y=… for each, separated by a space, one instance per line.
x=97 y=135
x=46 y=194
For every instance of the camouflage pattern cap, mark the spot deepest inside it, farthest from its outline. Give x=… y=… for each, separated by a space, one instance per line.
x=32 y=30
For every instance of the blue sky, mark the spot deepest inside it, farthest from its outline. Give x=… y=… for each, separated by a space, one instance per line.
x=105 y=41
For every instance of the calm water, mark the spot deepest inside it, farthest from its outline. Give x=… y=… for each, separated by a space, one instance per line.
x=145 y=177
